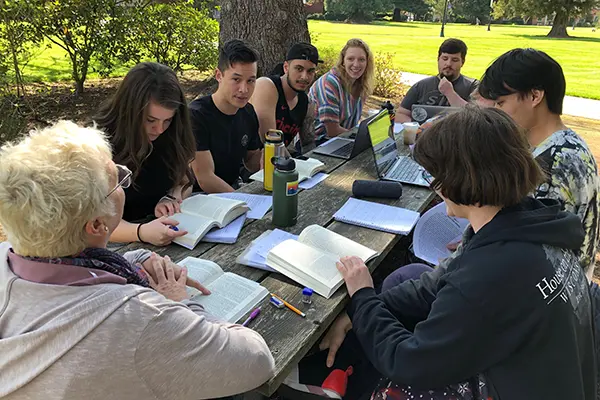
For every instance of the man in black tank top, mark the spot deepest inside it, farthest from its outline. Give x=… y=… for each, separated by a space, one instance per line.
x=281 y=102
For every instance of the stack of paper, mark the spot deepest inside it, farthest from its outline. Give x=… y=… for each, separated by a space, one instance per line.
x=377 y=216
x=228 y=234
x=256 y=254
x=258 y=204
x=434 y=231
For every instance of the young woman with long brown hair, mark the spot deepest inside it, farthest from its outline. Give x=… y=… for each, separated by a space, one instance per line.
x=341 y=93
x=148 y=125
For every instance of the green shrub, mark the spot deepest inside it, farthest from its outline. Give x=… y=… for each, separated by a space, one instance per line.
x=388 y=81
x=179 y=35
x=329 y=55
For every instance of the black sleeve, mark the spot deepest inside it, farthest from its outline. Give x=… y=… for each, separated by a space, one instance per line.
x=254 y=142
x=454 y=343
x=474 y=85
x=200 y=130
x=412 y=96
x=410 y=302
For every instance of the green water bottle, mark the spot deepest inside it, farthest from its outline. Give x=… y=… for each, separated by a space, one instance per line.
x=285 y=192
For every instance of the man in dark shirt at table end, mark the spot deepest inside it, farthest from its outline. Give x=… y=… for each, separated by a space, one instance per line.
x=225 y=124
x=448 y=88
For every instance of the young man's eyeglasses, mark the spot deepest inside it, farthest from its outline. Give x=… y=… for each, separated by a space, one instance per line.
x=123 y=178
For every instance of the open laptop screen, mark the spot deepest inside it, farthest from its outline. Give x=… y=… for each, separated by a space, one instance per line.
x=384 y=147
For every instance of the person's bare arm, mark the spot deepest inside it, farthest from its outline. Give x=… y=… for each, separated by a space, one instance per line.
x=307 y=132
x=156 y=232
x=204 y=169
x=333 y=129
x=126 y=232
x=264 y=101
x=446 y=88
x=403 y=115
x=455 y=100
x=252 y=161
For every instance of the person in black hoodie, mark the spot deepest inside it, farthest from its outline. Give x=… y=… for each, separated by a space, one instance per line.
x=511 y=316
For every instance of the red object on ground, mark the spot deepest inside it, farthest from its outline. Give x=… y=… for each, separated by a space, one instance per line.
x=337 y=381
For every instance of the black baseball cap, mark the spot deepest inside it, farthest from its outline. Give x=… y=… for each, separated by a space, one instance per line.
x=303 y=51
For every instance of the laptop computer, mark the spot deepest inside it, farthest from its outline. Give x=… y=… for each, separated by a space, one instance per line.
x=348 y=148
x=421 y=113
x=389 y=165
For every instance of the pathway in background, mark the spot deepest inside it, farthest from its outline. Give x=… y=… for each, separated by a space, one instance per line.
x=576 y=106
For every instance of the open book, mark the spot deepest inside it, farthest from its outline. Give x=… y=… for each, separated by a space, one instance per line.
x=434 y=231
x=305 y=168
x=311 y=260
x=231 y=297
x=200 y=213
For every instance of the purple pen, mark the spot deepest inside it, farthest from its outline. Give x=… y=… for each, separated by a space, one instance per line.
x=253 y=315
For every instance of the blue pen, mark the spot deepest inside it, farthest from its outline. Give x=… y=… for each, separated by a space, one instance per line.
x=176 y=229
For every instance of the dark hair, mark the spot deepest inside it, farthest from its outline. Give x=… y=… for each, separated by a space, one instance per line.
x=122 y=118
x=521 y=71
x=478 y=156
x=453 y=46
x=235 y=51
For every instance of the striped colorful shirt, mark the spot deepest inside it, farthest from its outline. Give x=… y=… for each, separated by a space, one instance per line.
x=334 y=103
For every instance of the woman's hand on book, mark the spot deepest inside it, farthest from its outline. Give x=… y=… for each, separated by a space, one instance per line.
x=161 y=276
x=167 y=206
x=160 y=232
x=355 y=274
x=335 y=337
x=147 y=265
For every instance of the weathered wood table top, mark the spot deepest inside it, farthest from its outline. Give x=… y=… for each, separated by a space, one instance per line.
x=288 y=335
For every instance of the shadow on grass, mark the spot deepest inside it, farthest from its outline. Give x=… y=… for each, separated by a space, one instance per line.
x=378 y=23
x=572 y=38
x=40 y=73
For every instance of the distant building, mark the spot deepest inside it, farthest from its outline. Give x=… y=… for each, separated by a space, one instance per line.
x=314 y=6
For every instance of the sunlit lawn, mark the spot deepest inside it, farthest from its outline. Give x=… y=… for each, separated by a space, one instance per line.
x=415 y=46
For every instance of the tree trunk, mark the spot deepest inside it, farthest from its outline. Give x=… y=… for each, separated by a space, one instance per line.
x=269 y=26
x=559 y=25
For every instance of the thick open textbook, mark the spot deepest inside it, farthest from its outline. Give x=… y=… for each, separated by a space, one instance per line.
x=434 y=231
x=200 y=213
x=231 y=297
x=311 y=260
x=305 y=168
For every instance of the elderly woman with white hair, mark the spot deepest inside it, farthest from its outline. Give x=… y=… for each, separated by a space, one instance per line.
x=77 y=320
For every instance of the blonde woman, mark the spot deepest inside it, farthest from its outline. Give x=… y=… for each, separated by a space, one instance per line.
x=341 y=93
x=79 y=321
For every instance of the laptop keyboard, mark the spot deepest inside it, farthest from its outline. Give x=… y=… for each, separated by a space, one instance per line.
x=345 y=150
x=406 y=170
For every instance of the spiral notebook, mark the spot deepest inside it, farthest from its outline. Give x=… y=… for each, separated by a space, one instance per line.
x=379 y=217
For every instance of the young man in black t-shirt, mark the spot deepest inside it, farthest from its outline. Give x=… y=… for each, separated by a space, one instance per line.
x=281 y=102
x=448 y=88
x=225 y=124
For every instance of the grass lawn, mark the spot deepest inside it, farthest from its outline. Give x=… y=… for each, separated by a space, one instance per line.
x=50 y=63
x=415 y=45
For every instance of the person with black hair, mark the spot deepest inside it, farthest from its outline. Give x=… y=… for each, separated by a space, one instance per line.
x=448 y=88
x=530 y=86
x=225 y=124
x=508 y=318
x=281 y=101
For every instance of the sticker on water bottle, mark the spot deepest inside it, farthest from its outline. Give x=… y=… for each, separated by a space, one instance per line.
x=291 y=188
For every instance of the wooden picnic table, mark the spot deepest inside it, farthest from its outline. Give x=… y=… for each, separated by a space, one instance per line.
x=288 y=335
